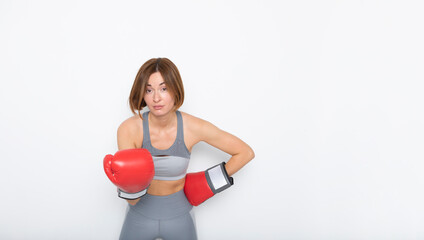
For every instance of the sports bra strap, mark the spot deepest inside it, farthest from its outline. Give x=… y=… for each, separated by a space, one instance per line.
x=180 y=129
x=146 y=132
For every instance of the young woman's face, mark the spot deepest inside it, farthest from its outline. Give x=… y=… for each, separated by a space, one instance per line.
x=159 y=100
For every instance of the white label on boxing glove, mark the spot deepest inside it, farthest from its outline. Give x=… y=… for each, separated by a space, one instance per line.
x=217 y=177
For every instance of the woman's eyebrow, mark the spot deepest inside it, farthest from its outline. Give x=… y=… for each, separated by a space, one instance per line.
x=149 y=85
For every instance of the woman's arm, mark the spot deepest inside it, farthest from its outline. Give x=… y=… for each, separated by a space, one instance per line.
x=126 y=138
x=241 y=152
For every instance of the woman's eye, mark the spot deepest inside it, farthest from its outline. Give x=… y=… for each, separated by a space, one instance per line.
x=148 y=91
x=163 y=89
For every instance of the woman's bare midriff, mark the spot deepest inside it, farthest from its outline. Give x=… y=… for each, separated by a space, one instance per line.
x=162 y=188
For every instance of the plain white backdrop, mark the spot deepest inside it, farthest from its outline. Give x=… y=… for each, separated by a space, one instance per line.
x=328 y=93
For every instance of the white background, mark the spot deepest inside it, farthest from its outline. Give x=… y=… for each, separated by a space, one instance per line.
x=328 y=94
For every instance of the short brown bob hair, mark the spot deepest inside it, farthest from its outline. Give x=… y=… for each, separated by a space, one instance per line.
x=170 y=74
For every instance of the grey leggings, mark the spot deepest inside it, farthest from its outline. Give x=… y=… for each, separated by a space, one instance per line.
x=160 y=217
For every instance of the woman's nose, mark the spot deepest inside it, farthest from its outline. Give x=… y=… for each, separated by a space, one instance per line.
x=156 y=97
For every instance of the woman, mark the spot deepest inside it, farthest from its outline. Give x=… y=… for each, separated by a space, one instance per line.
x=169 y=135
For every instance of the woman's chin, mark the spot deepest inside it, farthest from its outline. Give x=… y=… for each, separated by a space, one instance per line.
x=160 y=112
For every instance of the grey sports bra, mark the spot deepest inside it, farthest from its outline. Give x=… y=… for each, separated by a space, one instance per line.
x=172 y=163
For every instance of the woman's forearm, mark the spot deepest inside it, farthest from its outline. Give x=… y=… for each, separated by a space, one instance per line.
x=237 y=161
x=133 y=202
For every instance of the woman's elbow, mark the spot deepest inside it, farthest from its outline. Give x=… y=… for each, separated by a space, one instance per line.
x=250 y=154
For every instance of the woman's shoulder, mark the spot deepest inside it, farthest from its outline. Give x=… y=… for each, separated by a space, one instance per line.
x=190 y=119
x=193 y=122
x=198 y=129
x=131 y=123
x=131 y=128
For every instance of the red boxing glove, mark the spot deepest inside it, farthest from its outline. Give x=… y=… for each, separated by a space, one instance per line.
x=201 y=186
x=131 y=170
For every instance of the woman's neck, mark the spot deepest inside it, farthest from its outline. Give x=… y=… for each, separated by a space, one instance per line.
x=162 y=122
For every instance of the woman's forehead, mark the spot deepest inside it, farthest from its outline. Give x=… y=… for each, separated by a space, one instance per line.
x=155 y=79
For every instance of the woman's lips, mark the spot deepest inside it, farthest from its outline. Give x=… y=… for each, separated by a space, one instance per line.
x=157 y=107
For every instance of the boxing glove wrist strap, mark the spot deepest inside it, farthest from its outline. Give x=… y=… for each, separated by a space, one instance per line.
x=131 y=196
x=218 y=178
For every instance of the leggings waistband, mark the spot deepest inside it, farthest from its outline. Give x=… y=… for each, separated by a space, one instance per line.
x=162 y=207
